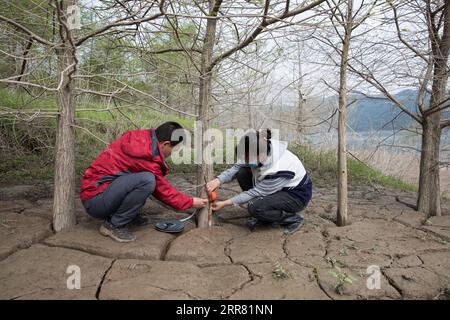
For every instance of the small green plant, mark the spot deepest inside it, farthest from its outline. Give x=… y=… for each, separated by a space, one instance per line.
x=4 y=224
x=441 y=241
x=343 y=252
x=428 y=222
x=280 y=272
x=342 y=278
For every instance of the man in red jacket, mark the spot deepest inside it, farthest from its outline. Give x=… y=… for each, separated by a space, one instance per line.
x=117 y=183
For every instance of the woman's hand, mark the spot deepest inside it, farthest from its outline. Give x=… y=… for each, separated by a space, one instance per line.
x=199 y=203
x=218 y=205
x=213 y=185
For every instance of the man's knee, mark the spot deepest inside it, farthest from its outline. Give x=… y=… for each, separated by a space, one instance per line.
x=147 y=181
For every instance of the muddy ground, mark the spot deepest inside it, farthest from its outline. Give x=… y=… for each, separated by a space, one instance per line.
x=321 y=261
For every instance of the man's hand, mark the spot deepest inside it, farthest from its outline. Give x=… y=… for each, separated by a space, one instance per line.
x=199 y=203
x=213 y=185
x=218 y=205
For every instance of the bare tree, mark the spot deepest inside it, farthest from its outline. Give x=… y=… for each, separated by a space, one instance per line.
x=64 y=183
x=421 y=57
x=65 y=49
x=344 y=20
x=210 y=62
x=129 y=26
x=347 y=23
x=205 y=172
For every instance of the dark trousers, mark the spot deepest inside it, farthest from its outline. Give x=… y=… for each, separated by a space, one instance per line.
x=122 y=201
x=277 y=207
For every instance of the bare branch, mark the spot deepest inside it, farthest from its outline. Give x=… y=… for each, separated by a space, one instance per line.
x=445 y=123
x=126 y=21
x=400 y=37
x=261 y=27
x=369 y=78
x=27 y=31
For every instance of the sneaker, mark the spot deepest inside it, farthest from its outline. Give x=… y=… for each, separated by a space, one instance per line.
x=292 y=224
x=140 y=221
x=120 y=234
x=293 y=227
x=275 y=225
x=252 y=223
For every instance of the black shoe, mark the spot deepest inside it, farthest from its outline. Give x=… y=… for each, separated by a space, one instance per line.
x=292 y=224
x=293 y=227
x=275 y=225
x=140 y=221
x=252 y=223
x=120 y=234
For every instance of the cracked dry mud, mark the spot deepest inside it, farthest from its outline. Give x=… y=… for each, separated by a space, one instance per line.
x=227 y=261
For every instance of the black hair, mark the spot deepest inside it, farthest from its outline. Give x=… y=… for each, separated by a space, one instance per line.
x=247 y=144
x=165 y=132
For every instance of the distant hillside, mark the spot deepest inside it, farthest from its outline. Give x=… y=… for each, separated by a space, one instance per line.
x=369 y=114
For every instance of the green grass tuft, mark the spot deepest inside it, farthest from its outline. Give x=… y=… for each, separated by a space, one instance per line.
x=323 y=168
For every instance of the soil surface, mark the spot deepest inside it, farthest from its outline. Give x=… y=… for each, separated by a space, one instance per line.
x=227 y=261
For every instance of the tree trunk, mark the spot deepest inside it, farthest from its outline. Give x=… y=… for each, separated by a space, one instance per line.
x=423 y=201
x=205 y=170
x=250 y=111
x=300 y=97
x=435 y=188
x=300 y=115
x=64 y=183
x=429 y=199
x=342 y=147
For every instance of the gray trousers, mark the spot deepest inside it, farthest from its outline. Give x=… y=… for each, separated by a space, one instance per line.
x=281 y=206
x=122 y=201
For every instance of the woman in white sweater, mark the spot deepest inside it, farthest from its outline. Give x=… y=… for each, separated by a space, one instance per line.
x=275 y=185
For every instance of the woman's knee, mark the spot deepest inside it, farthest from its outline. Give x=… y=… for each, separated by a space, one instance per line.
x=255 y=209
x=244 y=173
x=245 y=178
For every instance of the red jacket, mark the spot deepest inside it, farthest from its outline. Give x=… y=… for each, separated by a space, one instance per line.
x=134 y=151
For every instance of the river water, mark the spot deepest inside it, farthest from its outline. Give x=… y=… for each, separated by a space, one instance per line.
x=403 y=142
